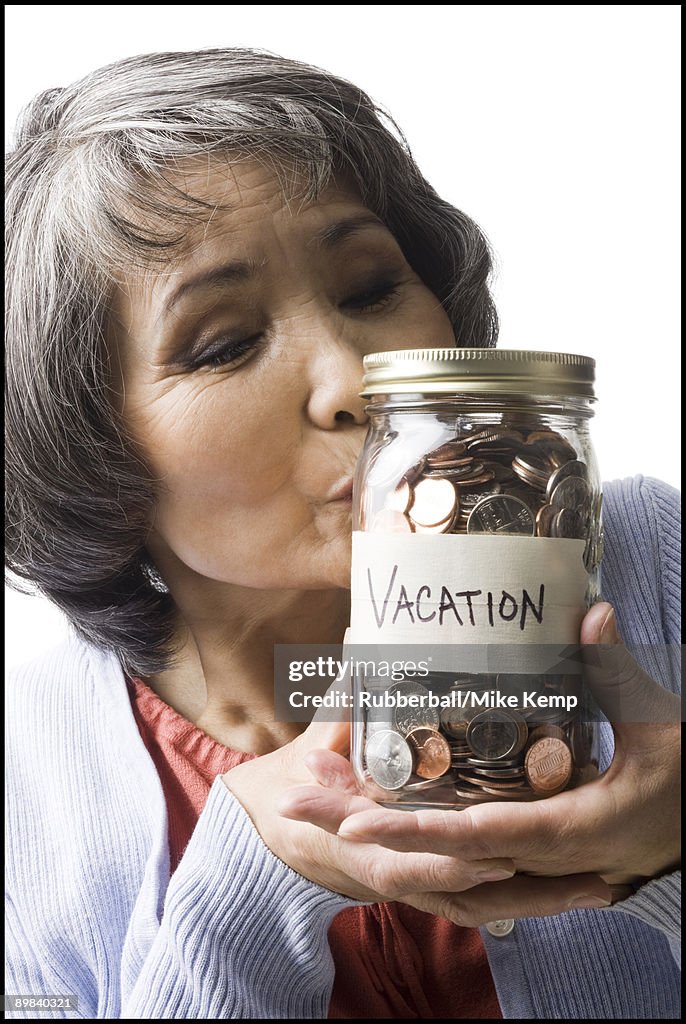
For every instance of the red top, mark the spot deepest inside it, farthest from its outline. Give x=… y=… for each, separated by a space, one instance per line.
x=391 y=960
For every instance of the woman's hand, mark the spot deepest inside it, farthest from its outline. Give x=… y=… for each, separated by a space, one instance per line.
x=298 y=821
x=624 y=826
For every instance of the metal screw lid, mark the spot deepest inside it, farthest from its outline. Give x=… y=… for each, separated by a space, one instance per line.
x=443 y=371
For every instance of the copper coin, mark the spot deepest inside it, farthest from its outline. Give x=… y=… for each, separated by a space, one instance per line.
x=548 y=765
x=501 y=513
x=431 y=752
x=388 y=520
x=400 y=499
x=544 y=520
x=434 y=501
x=448 y=451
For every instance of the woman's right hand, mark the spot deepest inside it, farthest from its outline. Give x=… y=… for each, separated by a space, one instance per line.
x=310 y=778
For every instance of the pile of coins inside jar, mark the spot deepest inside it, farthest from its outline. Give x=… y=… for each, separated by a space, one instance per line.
x=498 y=480
x=482 y=755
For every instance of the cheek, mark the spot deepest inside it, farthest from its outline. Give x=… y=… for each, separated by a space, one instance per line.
x=214 y=449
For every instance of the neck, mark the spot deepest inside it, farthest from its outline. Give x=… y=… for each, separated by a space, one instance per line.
x=223 y=677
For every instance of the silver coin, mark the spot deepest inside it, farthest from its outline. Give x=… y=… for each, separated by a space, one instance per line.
x=501 y=513
x=405 y=719
x=568 y=523
x=572 y=468
x=389 y=759
x=572 y=492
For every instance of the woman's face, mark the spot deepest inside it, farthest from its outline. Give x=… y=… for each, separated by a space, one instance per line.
x=240 y=369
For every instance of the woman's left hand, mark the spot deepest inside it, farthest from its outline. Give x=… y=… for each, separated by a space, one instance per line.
x=624 y=826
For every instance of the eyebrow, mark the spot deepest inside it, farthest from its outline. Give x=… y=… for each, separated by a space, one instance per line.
x=242 y=270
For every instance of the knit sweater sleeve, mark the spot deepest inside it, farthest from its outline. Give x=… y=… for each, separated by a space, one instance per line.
x=92 y=912
x=651 y=539
x=241 y=935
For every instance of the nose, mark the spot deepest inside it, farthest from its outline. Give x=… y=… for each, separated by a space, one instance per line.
x=335 y=384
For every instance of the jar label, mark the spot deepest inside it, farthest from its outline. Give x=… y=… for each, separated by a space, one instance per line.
x=451 y=589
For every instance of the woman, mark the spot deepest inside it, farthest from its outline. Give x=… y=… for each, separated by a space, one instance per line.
x=202 y=247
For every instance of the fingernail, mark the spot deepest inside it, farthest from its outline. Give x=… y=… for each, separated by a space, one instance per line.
x=494 y=875
x=608 y=630
x=342 y=834
x=587 y=902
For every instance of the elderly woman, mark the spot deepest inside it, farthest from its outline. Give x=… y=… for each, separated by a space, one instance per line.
x=202 y=248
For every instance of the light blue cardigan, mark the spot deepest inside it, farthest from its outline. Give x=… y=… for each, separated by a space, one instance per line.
x=236 y=933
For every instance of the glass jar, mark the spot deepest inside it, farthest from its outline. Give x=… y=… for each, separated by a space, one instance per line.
x=477 y=543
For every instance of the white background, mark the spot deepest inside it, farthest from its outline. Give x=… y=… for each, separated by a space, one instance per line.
x=556 y=127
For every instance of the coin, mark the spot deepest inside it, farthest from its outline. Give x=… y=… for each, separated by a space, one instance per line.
x=567 y=523
x=400 y=499
x=496 y=734
x=389 y=759
x=431 y=753
x=389 y=520
x=501 y=513
x=572 y=492
x=572 y=467
x=413 y=716
x=548 y=765
x=434 y=501
x=540 y=731
x=544 y=519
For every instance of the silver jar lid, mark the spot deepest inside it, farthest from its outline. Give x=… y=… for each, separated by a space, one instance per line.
x=444 y=371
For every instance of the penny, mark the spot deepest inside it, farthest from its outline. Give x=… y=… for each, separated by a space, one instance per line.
x=493 y=735
x=389 y=520
x=412 y=716
x=449 y=777
x=434 y=501
x=389 y=759
x=431 y=753
x=501 y=513
x=548 y=765
x=544 y=519
x=400 y=499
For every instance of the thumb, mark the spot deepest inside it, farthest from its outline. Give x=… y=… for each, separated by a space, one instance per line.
x=623 y=690
x=330 y=725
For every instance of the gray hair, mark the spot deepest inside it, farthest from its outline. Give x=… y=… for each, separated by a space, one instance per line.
x=89 y=191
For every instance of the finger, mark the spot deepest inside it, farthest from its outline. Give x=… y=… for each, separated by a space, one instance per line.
x=517 y=897
x=553 y=836
x=385 y=871
x=332 y=770
x=325 y=808
x=623 y=690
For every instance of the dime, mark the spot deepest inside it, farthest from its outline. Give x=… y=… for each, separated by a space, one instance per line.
x=434 y=502
x=548 y=765
x=389 y=759
x=407 y=718
x=496 y=734
x=431 y=753
x=501 y=513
